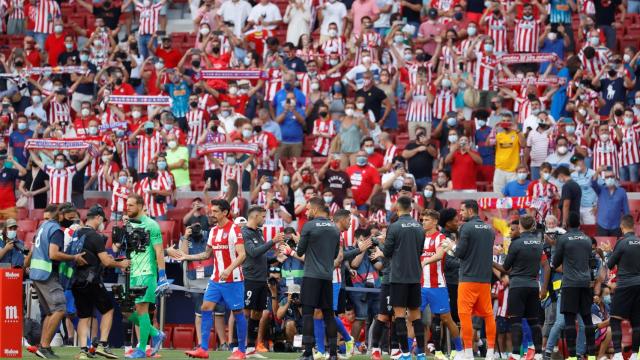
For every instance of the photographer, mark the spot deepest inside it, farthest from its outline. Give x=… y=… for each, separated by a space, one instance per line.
x=255 y=269
x=88 y=289
x=146 y=267
x=292 y=264
x=366 y=275
x=197 y=215
x=290 y=313
x=11 y=248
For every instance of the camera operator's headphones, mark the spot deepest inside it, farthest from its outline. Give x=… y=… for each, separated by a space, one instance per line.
x=96 y=210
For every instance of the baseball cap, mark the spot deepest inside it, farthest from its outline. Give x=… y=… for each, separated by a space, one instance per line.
x=96 y=210
x=240 y=220
x=10 y=223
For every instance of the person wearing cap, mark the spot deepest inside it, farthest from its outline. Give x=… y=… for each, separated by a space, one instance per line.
x=10 y=245
x=170 y=56
x=88 y=288
x=583 y=175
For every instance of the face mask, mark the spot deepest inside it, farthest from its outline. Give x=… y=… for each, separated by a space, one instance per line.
x=595 y=41
x=582 y=111
x=637 y=101
x=68 y=46
x=204 y=31
x=452 y=122
x=408 y=57
x=85 y=112
x=172 y=144
x=159 y=65
x=233 y=90
x=428 y=193
x=333 y=33
x=93 y=130
x=230 y=160
x=604 y=137
x=562 y=150
x=546 y=176
x=266 y=186
x=626 y=58
x=552 y=36
x=119 y=133
x=66 y=223
x=333 y=62
x=168 y=127
x=122 y=180
x=360 y=106
x=57 y=29
x=195 y=63
x=571 y=129
x=328 y=199
x=11 y=234
x=257 y=129
x=59 y=165
x=521 y=176
x=348 y=112
x=97 y=43
x=36 y=99
x=22 y=126
x=458 y=16
x=225 y=113
x=610 y=181
x=246 y=133
x=162 y=165
x=247 y=61
x=446 y=83
x=288 y=87
x=368 y=150
x=471 y=31
x=397 y=184
x=535 y=111
x=366 y=59
x=628 y=120
x=482 y=123
x=286 y=179
x=84 y=57
x=606 y=299
x=488 y=47
x=398 y=39
x=361 y=161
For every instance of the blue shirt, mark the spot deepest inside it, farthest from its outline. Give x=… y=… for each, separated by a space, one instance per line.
x=17 y=141
x=13 y=257
x=552 y=47
x=560 y=12
x=514 y=188
x=281 y=97
x=611 y=206
x=180 y=98
x=274 y=128
x=589 y=195
x=487 y=152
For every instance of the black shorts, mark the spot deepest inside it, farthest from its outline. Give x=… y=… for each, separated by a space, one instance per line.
x=89 y=297
x=256 y=295
x=575 y=300
x=342 y=301
x=406 y=295
x=385 y=300
x=523 y=302
x=625 y=303
x=317 y=293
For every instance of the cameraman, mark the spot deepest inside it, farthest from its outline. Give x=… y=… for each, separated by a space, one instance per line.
x=88 y=289
x=145 y=268
x=256 y=272
x=197 y=215
x=365 y=304
x=11 y=248
x=290 y=313
x=292 y=264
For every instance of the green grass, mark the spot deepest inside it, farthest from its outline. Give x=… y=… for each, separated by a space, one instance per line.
x=70 y=353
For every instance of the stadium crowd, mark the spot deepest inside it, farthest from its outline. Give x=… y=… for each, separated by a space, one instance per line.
x=293 y=112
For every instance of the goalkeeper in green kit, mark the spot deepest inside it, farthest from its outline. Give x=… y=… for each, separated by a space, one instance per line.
x=147 y=269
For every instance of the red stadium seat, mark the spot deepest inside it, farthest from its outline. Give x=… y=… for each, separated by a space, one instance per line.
x=36 y=214
x=28 y=225
x=183 y=337
x=88 y=203
x=168 y=332
x=589 y=230
x=23 y=213
x=168 y=229
x=213 y=339
x=28 y=239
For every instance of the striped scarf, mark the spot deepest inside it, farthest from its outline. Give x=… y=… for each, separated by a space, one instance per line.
x=61 y=144
x=227 y=148
x=507 y=203
x=139 y=100
x=509 y=59
x=233 y=74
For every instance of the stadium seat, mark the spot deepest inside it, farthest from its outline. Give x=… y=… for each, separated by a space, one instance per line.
x=590 y=230
x=168 y=229
x=28 y=239
x=183 y=337
x=83 y=213
x=23 y=213
x=36 y=214
x=28 y=225
x=168 y=332
x=611 y=240
x=88 y=203
x=634 y=207
x=213 y=339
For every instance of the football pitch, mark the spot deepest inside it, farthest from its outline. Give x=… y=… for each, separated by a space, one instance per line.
x=71 y=352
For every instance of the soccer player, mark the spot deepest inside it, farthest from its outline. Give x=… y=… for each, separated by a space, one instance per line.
x=226 y=245
x=320 y=242
x=403 y=246
x=626 y=299
x=434 y=285
x=146 y=267
x=475 y=251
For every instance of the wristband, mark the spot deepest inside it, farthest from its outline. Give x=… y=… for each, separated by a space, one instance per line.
x=162 y=274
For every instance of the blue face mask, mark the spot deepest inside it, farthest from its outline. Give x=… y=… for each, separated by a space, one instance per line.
x=8 y=164
x=452 y=122
x=361 y=161
x=606 y=299
x=288 y=86
x=168 y=127
x=122 y=180
x=162 y=165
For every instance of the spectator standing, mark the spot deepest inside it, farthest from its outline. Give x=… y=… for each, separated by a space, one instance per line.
x=538 y=142
x=264 y=15
x=178 y=163
x=509 y=140
x=605 y=19
x=236 y=12
x=465 y=165
x=329 y=12
x=46 y=14
x=570 y=196
x=612 y=204
x=365 y=181
x=299 y=18
x=18 y=139
x=420 y=155
x=361 y=9
x=519 y=186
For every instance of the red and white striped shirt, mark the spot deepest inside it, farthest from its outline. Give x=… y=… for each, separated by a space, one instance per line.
x=349 y=235
x=59 y=112
x=119 y=197
x=266 y=143
x=223 y=241
x=214 y=138
x=447 y=56
x=433 y=274
x=379 y=217
x=497 y=30
x=465 y=45
x=526 y=35
x=502 y=293
x=149 y=16
x=273 y=84
x=629 y=153
x=197 y=120
x=273 y=223
x=232 y=172
x=60 y=182
x=337 y=45
x=154 y=209
x=537 y=189
x=605 y=154
x=262 y=198
x=102 y=181
x=444 y=102
x=444 y=5
x=599 y=60
x=323 y=127
x=48 y=12
x=18 y=10
x=390 y=154
x=149 y=147
x=370 y=41
x=486 y=73
x=419 y=107
x=337 y=271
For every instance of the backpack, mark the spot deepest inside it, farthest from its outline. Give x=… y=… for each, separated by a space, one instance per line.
x=67 y=269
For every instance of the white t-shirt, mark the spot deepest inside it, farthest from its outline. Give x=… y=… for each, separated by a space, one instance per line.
x=332 y=13
x=236 y=12
x=265 y=13
x=384 y=19
x=357 y=72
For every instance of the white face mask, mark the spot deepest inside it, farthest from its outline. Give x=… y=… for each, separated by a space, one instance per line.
x=93 y=130
x=59 y=165
x=333 y=32
x=626 y=58
x=85 y=112
x=562 y=150
x=366 y=59
x=315 y=86
x=136 y=114
x=582 y=111
x=172 y=144
x=472 y=31
x=233 y=90
x=348 y=112
x=428 y=193
x=11 y=234
x=604 y=137
x=552 y=36
x=360 y=106
x=204 y=31
x=266 y=186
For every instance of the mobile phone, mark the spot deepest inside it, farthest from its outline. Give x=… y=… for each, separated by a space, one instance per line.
x=161 y=33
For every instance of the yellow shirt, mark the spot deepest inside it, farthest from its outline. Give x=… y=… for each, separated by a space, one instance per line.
x=507 y=151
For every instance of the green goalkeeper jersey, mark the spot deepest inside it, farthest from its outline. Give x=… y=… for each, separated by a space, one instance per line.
x=144 y=263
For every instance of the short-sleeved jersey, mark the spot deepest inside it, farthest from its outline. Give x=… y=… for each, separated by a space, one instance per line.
x=223 y=241
x=433 y=274
x=144 y=263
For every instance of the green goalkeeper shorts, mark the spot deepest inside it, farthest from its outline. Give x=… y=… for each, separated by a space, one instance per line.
x=150 y=282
